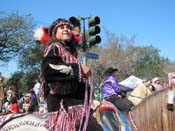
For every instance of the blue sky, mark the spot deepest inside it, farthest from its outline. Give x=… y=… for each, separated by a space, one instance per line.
x=151 y=21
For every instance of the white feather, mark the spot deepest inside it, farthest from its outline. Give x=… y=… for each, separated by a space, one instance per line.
x=38 y=33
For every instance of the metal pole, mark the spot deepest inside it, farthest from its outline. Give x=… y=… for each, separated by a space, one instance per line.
x=84 y=39
x=84 y=35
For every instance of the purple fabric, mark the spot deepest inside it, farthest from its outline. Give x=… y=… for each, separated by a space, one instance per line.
x=110 y=87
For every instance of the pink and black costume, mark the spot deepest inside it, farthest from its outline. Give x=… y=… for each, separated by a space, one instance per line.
x=68 y=96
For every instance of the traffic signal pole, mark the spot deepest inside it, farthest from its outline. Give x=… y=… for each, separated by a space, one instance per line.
x=84 y=35
x=91 y=37
x=84 y=40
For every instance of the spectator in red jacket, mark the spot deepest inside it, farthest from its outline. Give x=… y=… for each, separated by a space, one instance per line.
x=13 y=107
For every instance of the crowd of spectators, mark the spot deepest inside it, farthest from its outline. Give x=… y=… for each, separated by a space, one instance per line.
x=31 y=101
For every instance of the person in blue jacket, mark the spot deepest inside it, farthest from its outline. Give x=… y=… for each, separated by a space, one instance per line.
x=111 y=91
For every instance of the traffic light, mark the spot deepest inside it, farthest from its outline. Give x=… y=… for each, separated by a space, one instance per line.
x=75 y=21
x=93 y=30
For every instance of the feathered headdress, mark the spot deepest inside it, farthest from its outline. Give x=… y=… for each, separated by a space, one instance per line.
x=41 y=34
x=76 y=36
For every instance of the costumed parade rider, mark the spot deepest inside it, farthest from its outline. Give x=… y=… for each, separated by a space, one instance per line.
x=66 y=83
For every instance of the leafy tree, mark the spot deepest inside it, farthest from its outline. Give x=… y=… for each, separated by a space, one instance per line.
x=143 y=62
x=150 y=63
x=169 y=67
x=15 y=35
x=16 y=41
x=22 y=81
x=30 y=59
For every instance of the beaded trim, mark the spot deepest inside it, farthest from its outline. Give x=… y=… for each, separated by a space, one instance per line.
x=22 y=123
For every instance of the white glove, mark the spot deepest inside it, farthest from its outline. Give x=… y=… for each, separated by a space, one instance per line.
x=62 y=68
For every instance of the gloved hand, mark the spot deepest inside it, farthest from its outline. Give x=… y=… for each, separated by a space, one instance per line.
x=62 y=68
x=86 y=70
